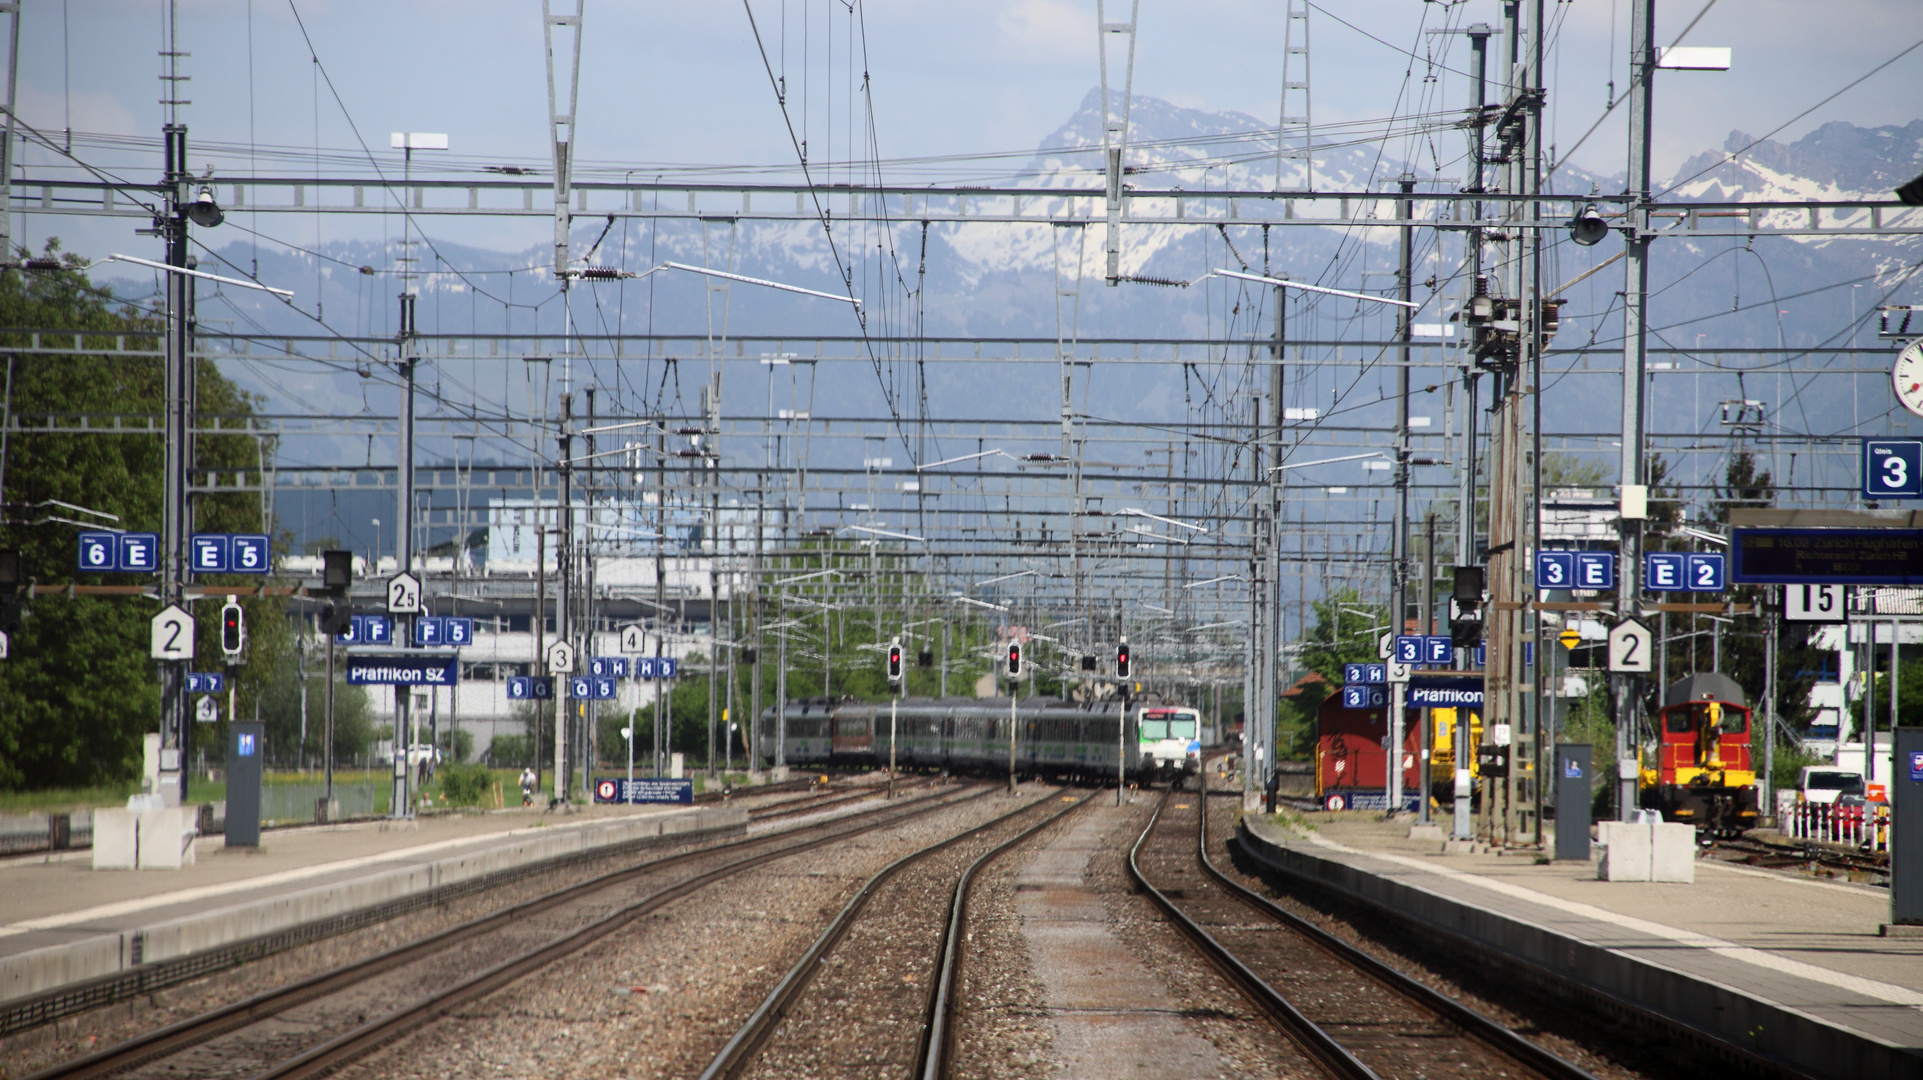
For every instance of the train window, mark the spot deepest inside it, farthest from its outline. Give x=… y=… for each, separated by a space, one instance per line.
x=1182 y=727
x=1679 y=721
x=1154 y=728
x=1735 y=721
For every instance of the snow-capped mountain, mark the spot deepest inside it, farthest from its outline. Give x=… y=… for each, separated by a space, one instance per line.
x=993 y=279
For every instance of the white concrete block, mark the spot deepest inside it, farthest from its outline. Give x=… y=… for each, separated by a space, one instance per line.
x=1672 y=853
x=116 y=844
x=166 y=838
x=1625 y=851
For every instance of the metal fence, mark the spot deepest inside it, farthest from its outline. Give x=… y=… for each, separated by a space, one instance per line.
x=1864 y=827
x=296 y=802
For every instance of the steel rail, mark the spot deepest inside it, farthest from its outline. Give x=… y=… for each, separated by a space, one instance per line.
x=740 y=1050
x=793 y=807
x=932 y=1062
x=1318 y=1043
x=1495 y=1036
x=217 y=1022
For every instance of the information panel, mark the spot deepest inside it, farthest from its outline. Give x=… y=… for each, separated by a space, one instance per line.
x=1827 y=556
x=623 y=790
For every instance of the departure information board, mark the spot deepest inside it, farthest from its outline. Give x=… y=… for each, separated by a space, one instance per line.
x=1827 y=556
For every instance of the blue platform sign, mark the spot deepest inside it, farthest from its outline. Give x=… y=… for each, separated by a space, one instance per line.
x=1893 y=468
x=530 y=688
x=405 y=669
x=206 y=682
x=590 y=688
x=1408 y=649
x=1438 y=649
x=99 y=551
x=251 y=555
x=1916 y=766
x=209 y=552
x=1365 y=674
x=229 y=553
x=1707 y=572
x=1555 y=569
x=1665 y=571
x=1674 y=571
x=1364 y=697
x=123 y=553
x=612 y=667
x=1596 y=570
x=139 y=553
x=460 y=630
x=429 y=630
x=656 y=667
x=622 y=790
x=367 y=630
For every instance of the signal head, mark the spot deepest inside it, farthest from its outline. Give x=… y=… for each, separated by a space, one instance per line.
x=1468 y=587
x=233 y=630
x=337 y=571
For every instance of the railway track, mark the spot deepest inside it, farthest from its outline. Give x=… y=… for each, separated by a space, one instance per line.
x=354 y=1009
x=1807 y=856
x=824 y=798
x=1334 y=1009
x=863 y=1009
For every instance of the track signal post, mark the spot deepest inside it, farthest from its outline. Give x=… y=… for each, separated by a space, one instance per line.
x=1014 y=669
x=1123 y=664
x=894 y=701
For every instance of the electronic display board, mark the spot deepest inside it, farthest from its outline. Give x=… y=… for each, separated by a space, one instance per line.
x=1827 y=556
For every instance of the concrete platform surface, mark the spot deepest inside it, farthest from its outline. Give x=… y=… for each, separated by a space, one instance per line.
x=63 y=922
x=1758 y=952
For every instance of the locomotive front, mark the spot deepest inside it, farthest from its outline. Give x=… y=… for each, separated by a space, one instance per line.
x=1703 y=774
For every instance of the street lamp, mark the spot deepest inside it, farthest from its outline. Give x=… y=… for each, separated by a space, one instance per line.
x=204 y=211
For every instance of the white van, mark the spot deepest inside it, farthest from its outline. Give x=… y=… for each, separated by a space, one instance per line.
x=1824 y=785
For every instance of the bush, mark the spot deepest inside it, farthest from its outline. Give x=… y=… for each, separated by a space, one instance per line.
x=516 y=751
x=465 y=785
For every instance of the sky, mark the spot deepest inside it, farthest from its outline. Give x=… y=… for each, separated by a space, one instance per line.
x=665 y=85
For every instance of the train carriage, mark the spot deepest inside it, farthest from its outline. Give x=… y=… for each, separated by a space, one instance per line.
x=854 y=734
x=1055 y=739
x=1352 y=762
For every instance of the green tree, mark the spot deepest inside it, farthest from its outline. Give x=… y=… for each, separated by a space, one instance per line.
x=1345 y=632
x=79 y=690
x=280 y=712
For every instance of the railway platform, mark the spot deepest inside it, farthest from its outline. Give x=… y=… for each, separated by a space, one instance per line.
x=1790 y=970
x=72 y=936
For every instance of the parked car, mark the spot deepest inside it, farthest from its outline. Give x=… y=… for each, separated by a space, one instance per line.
x=1823 y=785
